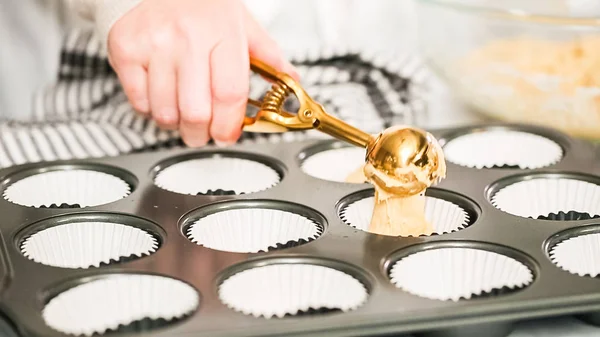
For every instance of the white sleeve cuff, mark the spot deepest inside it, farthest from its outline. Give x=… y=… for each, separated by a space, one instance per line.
x=84 y=8
x=108 y=13
x=264 y=11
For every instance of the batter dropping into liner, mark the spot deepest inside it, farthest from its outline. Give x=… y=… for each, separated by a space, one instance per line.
x=401 y=165
x=401 y=162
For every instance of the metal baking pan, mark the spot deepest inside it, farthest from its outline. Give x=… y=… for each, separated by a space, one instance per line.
x=27 y=286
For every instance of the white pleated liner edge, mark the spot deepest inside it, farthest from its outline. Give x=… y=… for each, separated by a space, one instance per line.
x=87 y=244
x=445 y=216
x=542 y=196
x=213 y=173
x=578 y=255
x=335 y=164
x=458 y=273
x=491 y=148
x=107 y=303
x=84 y=187
x=252 y=230
x=278 y=290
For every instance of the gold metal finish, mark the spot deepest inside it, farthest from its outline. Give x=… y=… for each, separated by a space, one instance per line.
x=402 y=161
x=271 y=118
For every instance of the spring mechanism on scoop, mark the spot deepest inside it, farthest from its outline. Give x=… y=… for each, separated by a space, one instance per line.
x=274 y=98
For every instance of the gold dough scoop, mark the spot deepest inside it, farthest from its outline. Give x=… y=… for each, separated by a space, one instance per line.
x=402 y=160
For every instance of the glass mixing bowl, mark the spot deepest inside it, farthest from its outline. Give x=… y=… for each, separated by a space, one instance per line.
x=528 y=61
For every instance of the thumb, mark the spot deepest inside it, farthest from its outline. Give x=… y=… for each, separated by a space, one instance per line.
x=262 y=47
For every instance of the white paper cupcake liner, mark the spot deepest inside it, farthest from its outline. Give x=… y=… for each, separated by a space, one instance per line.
x=334 y=165
x=115 y=301
x=217 y=175
x=578 y=255
x=253 y=230
x=67 y=188
x=499 y=148
x=87 y=244
x=289 y=289
x=458 y=273
x=547 y=197
x=444 y=216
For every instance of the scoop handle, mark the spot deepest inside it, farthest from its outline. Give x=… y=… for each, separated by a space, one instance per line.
x=341 y=130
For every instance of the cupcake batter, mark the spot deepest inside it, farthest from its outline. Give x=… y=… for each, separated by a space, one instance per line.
x=403 y=214
x=357 y=176
x=399 y=216
x=395 y=215
x=525 y=79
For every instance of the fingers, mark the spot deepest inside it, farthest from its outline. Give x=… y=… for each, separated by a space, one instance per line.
x=162 y=88
x=134 y=81
x=170 y=69
x=230 y=71
x=194 y=97
x=125 y=59
x=262 y=47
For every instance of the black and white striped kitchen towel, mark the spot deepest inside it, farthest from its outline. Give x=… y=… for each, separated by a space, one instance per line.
x=86 y=114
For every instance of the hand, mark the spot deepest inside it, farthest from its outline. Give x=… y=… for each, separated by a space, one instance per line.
x=186 y=63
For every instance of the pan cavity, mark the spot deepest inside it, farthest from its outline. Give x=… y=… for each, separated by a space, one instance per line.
x=69 y=186
x=252 y=226
x=223 y=173
x=291 y=287
x=89 y=240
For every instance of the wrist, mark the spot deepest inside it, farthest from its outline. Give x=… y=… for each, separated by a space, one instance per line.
x=108 y=12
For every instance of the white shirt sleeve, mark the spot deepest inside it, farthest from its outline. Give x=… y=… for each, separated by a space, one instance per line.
x=264 y=11
x=104 y=13
x=331 y=20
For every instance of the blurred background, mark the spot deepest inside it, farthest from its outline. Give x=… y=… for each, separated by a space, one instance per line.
x=533 y=61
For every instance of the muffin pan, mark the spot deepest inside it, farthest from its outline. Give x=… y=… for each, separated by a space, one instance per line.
x=268 y=240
